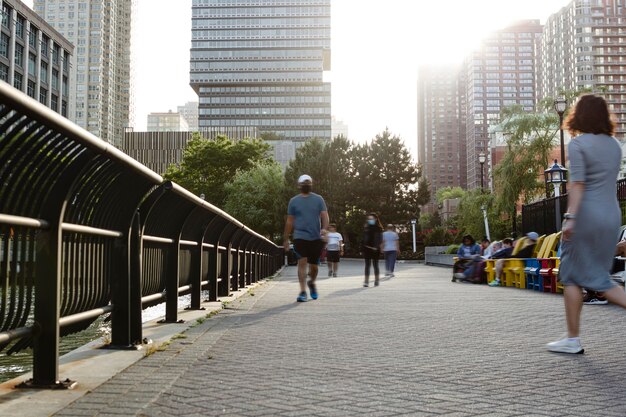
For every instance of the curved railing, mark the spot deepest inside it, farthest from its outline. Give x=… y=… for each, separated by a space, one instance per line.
x=85 y=230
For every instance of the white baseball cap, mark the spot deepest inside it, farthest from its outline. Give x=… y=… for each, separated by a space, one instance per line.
x=304 y=178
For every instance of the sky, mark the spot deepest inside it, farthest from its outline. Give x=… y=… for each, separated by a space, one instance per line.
x=377 y=47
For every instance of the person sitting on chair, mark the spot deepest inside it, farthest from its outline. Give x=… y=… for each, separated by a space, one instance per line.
x=526 y=251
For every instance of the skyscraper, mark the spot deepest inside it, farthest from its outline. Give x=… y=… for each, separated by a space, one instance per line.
x=441 y=127
x=583 y=47
x=34 y=57
x=500 y=73
x=261 y=64
x=100 y=76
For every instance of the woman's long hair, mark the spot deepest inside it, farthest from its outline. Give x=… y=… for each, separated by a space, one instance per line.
x=591 y=115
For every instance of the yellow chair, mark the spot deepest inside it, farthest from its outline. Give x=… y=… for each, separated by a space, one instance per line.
x=490 y=266
x=513 y=273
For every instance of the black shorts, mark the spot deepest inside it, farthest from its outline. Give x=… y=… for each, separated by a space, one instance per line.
x=310 y=249
x=332 y=256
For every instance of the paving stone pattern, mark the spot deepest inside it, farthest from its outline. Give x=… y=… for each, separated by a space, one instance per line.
x=418 y=345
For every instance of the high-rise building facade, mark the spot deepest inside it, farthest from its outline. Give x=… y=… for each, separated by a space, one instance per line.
x=584 y=47
x=498 y=74
x=101 y=75
x=34 y=58
x=189 y=111
x=261 y=64
x=167 y=122
x=441 y=127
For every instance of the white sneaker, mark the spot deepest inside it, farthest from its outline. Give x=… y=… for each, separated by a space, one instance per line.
x=459 y=275
x=565 y=346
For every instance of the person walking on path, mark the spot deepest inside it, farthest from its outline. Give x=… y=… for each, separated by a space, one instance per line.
x=391 y=249
x=334 y=249
x=591 y=227
x=370 y=247
x=307 y=217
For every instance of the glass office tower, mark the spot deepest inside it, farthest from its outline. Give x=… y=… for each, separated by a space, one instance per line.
x=260 y=64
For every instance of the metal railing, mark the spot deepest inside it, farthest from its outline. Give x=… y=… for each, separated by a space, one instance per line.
x=85 y=230
x=540 y=216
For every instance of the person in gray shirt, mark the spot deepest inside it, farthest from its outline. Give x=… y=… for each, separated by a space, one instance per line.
x=307 y=218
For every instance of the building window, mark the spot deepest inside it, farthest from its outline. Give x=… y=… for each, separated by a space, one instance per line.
x=30 y=90
x=55 y=55
x=44 y=72
x=43 y=95
x=6 y=15
x=18 y=81
x=19 y=55
x=55 y=79
x=4 y=72
x=32 y=64
x=45 y=44
x=64 y=108
x=4 y=45
x=19 y=27
x=32 y=37
x=54 y=102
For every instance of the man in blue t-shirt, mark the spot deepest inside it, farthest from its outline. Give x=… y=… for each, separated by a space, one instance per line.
x=305 y=213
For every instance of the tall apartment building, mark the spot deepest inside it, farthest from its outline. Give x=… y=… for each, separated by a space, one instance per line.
x=441 y=149
x=500 y=73
x=101 y=75
x=189 y=111
x=261 y=64
x=34 y=58
x=584 y=46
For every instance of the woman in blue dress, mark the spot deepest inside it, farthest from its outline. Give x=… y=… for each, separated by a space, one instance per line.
x=591 y=227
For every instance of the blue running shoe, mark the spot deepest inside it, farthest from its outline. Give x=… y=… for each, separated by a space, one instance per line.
x=312 y=290
x=302 y=297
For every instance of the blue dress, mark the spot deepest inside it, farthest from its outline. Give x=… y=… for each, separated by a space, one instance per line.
x=586 y=259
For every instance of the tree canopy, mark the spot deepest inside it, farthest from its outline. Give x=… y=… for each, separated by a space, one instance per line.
x=208 y=165
x=378 y=176
x=256 y=197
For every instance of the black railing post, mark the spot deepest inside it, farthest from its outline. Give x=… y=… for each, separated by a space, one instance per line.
x=172 y=269
x=136 y=270
x=196 y=276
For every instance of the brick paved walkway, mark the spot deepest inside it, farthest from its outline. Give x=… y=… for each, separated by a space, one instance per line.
x=418 y=345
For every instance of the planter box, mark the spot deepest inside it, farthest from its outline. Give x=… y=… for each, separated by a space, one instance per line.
x=433 y=256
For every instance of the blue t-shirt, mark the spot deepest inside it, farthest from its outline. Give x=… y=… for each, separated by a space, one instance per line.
x=306 y=212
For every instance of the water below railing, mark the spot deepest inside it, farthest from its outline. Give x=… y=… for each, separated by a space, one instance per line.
x=12 y=366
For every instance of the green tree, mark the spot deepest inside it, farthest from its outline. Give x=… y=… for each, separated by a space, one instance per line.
x=447 y=193
x=387 y=179
x=256 y=198
x=531 y=138
x=470 y=218
x=331 y=166
x=208 y=164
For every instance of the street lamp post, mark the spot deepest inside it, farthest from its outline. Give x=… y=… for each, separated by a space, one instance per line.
x=413 y=221
x=556 y=175
x=482 y=159
x=560 y=105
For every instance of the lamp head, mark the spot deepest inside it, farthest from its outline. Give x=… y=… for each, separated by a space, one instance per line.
x=556 y=174
x=560 y=105
x=482 y=157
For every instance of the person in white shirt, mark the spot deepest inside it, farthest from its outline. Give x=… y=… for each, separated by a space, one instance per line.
x=391 y=249
x=334 y=249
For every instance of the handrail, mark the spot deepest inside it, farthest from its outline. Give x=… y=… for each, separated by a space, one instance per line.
x=91 y=231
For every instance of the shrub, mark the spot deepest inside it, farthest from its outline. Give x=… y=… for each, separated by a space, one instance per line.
x=409 y=255
x=439 y=236
x=453 y=249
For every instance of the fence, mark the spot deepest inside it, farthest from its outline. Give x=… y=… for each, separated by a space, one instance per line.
x=85 y=230
x=540 y=217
